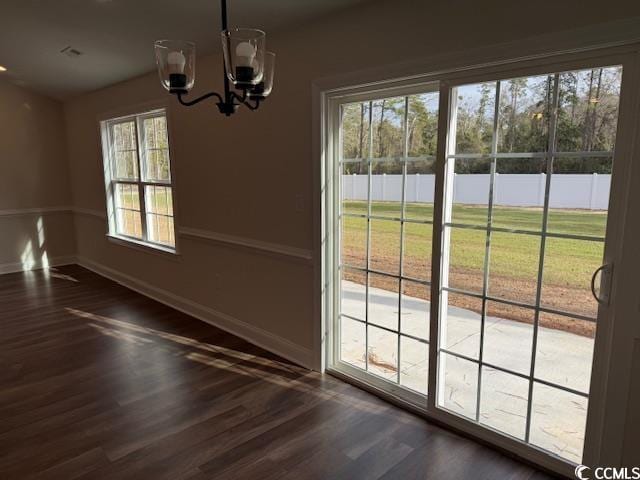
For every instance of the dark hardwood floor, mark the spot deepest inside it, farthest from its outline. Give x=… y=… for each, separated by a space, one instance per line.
x=99 y=382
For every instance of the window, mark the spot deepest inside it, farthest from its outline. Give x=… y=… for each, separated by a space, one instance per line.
x=138 y=179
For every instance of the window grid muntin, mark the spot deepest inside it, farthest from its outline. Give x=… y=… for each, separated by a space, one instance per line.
x=382 y=327
x=370 y=162
x=405 y=152
x=157 y=177
x=150 y=218
x=549 y=155
x=543 y=240
x=140 y=185
x=517 y=155
x=128 y=191
x=487 y=253
x=141 y=181
x=513 y=372
x=144 y=149
x=368 y=249
x=120 y=222
x=568 y=236
x=168 y=195
x=114 y=148
x=385 y=274
x=397 y=219
x=506 y=301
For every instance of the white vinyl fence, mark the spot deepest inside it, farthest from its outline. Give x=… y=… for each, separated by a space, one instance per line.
x=583 y=191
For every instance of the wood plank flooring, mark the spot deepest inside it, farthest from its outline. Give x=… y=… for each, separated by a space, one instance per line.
x=99 y=382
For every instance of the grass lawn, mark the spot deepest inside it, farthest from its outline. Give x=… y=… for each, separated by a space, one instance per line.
x=514 y=258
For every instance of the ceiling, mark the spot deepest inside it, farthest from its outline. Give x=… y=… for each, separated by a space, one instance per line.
x=115 y=37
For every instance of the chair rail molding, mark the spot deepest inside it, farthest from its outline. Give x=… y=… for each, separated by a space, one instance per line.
x=89 y=212
x=267 y=247
x=21 y=212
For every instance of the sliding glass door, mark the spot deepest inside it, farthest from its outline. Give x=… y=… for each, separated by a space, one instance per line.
x=466 y=221
x=528 y=176
x=385 y=212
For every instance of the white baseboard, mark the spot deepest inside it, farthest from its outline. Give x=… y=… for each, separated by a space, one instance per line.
x=262 y=338
x=36 y=264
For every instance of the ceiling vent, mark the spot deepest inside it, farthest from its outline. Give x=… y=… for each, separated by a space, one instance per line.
x=71 y=52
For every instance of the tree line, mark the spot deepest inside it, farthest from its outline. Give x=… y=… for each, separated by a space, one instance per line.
x=586 y=121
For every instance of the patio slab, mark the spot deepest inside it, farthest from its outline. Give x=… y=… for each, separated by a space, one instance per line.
x=558 y=417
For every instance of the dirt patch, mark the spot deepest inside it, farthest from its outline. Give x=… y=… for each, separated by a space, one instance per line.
x=557 y=297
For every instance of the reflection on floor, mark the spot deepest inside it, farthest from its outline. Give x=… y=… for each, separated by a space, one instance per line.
x=98 y=382
x=558 y=417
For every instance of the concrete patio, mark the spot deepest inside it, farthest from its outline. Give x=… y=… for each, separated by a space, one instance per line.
x=558 y=417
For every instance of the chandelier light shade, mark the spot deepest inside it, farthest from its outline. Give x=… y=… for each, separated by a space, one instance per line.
x=263 y=89
x=176 y=62
x=247 y=66
x=243 y=50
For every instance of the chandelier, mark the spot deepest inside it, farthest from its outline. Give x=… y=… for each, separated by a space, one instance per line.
x=247 y=66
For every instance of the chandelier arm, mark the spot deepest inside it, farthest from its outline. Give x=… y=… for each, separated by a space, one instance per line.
x=199 y=99
x=241 y=98
x=250 y=106
x=245 y=100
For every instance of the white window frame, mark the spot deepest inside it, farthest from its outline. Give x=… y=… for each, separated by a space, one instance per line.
x=111 y=180
x=332 y=97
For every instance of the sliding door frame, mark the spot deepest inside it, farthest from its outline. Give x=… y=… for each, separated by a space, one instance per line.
x=402 y=394
x=332 y=99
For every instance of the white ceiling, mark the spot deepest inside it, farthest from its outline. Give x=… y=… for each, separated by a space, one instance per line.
x=116 y=36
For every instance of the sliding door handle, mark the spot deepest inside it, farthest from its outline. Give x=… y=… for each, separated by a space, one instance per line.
x=603 y=298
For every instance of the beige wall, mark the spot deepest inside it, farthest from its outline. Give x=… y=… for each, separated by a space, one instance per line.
x=34 y=180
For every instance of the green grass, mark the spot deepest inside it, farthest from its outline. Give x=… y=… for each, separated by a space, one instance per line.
x=560 y=221
x=568 y=263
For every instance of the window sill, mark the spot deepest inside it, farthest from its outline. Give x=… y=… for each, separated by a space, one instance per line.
x=166 y=252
